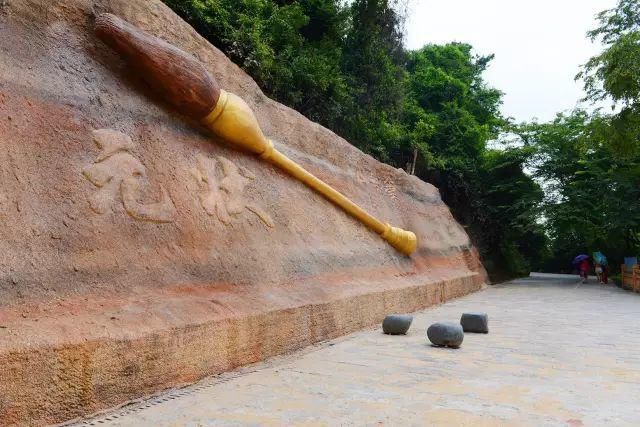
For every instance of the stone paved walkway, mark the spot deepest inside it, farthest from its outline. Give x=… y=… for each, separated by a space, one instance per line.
x=558 y=353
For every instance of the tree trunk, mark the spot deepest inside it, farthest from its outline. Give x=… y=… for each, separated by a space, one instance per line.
x=413 y=163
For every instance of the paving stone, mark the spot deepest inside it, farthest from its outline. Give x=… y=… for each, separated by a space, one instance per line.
x=559 y=353
x=446 y=334
x=475 y=322
x=396 y=324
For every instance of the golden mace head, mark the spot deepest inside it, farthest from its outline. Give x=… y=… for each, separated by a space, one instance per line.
x=234 y=121
x=403 y=240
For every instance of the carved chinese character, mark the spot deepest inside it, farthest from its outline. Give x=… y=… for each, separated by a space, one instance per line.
x=222 y=185
x=118 y=175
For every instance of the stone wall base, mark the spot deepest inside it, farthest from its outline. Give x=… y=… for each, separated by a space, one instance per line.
x=113 y=350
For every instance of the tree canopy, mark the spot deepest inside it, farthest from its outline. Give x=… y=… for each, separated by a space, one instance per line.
x=592 y=192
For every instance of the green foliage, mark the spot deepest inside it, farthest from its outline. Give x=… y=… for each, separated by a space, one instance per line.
x=592 y=191
x=373 y=65
x=292 y=49
x=500 y=204
x=616 y=71
x=450 y=114
x=589 y=164
x=447 y=98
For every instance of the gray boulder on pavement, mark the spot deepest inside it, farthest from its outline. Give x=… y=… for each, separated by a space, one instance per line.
x=446 y=334
x=475 y=322
x=396 y=324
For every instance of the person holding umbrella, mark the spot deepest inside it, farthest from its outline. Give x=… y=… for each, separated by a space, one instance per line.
x=582 y=261
x=601 y=265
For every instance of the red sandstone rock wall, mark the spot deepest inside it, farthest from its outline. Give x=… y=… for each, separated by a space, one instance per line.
x=110 y=204
x=102 y=187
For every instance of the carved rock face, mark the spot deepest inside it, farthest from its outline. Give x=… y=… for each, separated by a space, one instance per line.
x=118 y=173
x=125 y=227
x=135 y=195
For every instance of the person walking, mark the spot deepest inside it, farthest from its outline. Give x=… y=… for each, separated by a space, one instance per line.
x=584 y=270
x=601 y=267
x=599 y=273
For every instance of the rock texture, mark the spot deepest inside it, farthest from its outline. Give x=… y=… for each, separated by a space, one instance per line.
x=396 y=324
x=446 y=334
x=138 y=253
x=475 y=322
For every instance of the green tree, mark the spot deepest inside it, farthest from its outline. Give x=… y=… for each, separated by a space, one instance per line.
x=592 y=193
x=615 y=73
x=450 y=107
x=508 y=209
x=292 y=49
x=613 y=157
x=449 y=117
x=373 y=64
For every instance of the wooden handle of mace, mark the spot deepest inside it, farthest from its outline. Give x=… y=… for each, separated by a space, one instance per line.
x=186 y=84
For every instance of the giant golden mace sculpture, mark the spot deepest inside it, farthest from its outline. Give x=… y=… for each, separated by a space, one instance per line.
x=185 y=84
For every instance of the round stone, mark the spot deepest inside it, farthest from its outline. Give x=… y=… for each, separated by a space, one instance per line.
x=475 y=322
x=446 y=334
x=396 y=324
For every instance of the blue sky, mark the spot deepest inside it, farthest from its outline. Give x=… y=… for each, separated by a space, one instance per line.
x=539 y=45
